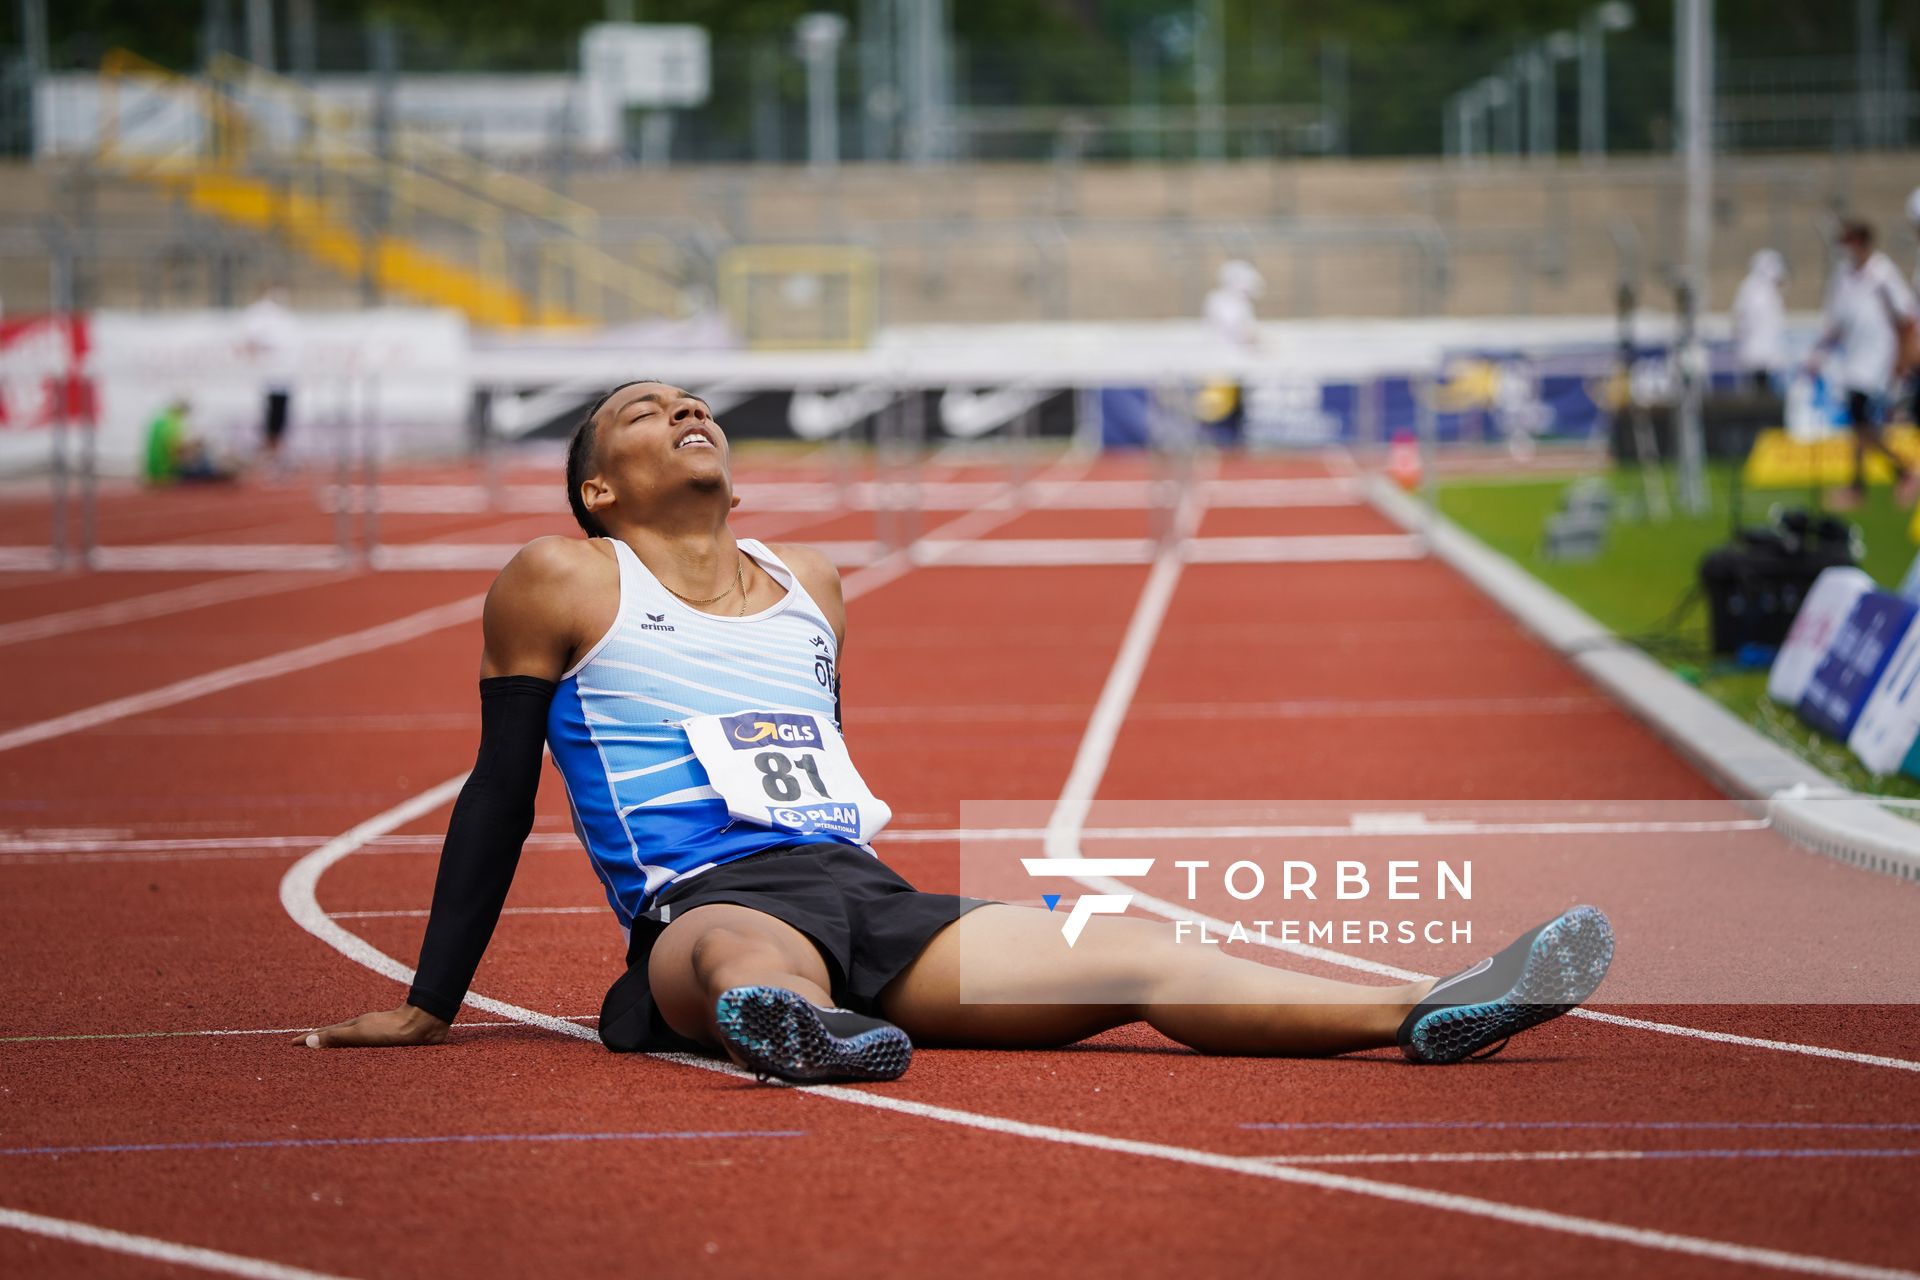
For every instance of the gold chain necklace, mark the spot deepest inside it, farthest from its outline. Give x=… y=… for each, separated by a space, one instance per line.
x=739 y=584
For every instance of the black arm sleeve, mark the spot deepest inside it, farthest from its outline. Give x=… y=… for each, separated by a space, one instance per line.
x=490 y=822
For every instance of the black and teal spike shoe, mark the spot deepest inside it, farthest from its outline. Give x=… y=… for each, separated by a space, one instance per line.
x=1541 y=975
x=778 y=1035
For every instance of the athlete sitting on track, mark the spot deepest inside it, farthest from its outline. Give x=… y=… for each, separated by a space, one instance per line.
x=799 y=953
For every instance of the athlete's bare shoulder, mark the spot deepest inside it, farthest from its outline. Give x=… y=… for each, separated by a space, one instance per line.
x=821 y=579
x=555 y=556
x=544 y=603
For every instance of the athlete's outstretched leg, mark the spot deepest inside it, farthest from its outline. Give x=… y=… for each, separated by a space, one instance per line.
x=1026 y=987
x=715 y=948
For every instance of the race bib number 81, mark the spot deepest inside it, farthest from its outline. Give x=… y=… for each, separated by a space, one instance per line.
x=788 y=770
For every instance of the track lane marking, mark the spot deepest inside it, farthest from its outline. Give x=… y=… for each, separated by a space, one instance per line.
x=153 y=605
x=1770 y=1126
x=411 y=1140
x=1446 y=829
x=1565 y=1157
x=233 y=1031
x=411 y=913
x=154 y=1249
x=367 y=640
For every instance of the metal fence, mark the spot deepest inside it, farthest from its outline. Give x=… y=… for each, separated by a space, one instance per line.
x=1589 y=89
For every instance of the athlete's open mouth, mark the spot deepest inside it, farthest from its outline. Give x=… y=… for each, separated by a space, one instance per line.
x=696 y=438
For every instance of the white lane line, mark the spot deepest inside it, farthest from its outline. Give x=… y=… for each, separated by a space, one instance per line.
x=820 y=499
x=152 y=1249
x=385 y=635
x=23 y=847
x=236 y=1031
x=421 y=912
x=28 y=560
x=1748 y=1042
x=1288 y=709
x=952 y=536
x=233 y=726
x=218 y=557
x=1339 y=461
x=1069 y=814
x=1561 y=1157
x=37 y=853
x=297 y=897
x=154 y=605
x=955 y=544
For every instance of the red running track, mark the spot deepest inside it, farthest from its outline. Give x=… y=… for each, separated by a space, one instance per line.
x=152 y=976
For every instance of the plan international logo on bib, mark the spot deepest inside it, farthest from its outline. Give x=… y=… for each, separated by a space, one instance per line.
x=832 y=817
x=753 y=729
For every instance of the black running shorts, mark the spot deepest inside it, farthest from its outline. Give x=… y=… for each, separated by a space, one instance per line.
x=276 y=423
x=868 y=923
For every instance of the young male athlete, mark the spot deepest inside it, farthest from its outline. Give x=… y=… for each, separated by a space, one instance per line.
x=1869 y=312
x=687 y=682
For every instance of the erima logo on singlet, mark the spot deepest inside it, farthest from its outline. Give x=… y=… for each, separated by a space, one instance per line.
x=656 y=622
x=770 y=729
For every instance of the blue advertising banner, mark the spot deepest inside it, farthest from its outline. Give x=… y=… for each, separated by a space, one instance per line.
x=1855 y=662
x=1479 y=395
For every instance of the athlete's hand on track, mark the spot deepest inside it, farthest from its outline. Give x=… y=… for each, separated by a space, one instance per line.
x=385 y=1028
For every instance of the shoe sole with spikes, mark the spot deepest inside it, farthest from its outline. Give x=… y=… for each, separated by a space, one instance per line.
x=1536 y=979
x=777 y=1034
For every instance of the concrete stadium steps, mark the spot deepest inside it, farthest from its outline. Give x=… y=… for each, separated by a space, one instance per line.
x=996 y=242
x=144 y=248
x=136 y=229
x=1520 y=237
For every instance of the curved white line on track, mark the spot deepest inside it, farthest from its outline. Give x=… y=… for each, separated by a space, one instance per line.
x=154 y=1250
x=297 y=896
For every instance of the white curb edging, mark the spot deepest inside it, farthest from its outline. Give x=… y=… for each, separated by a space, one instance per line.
x=1805 y=804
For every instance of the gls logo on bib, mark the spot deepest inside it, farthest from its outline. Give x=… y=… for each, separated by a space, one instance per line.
x=769 y=729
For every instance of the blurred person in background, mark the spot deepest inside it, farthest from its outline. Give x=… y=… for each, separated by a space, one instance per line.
x=175 y=452
x=1229 y=307
x=1760 y=322
x=1232 y=321
x=1870 y=313
x=1913 y=366
x=271 y=340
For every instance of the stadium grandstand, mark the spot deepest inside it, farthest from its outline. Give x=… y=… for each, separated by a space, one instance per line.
x=1368 y=532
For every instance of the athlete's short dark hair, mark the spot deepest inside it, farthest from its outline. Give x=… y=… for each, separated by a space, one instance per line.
x=580 y=460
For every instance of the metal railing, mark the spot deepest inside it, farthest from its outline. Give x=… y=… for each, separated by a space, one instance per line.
x=343 y=198
x=563 y=234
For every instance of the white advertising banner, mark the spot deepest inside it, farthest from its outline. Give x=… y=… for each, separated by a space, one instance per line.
x=1821 y=616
